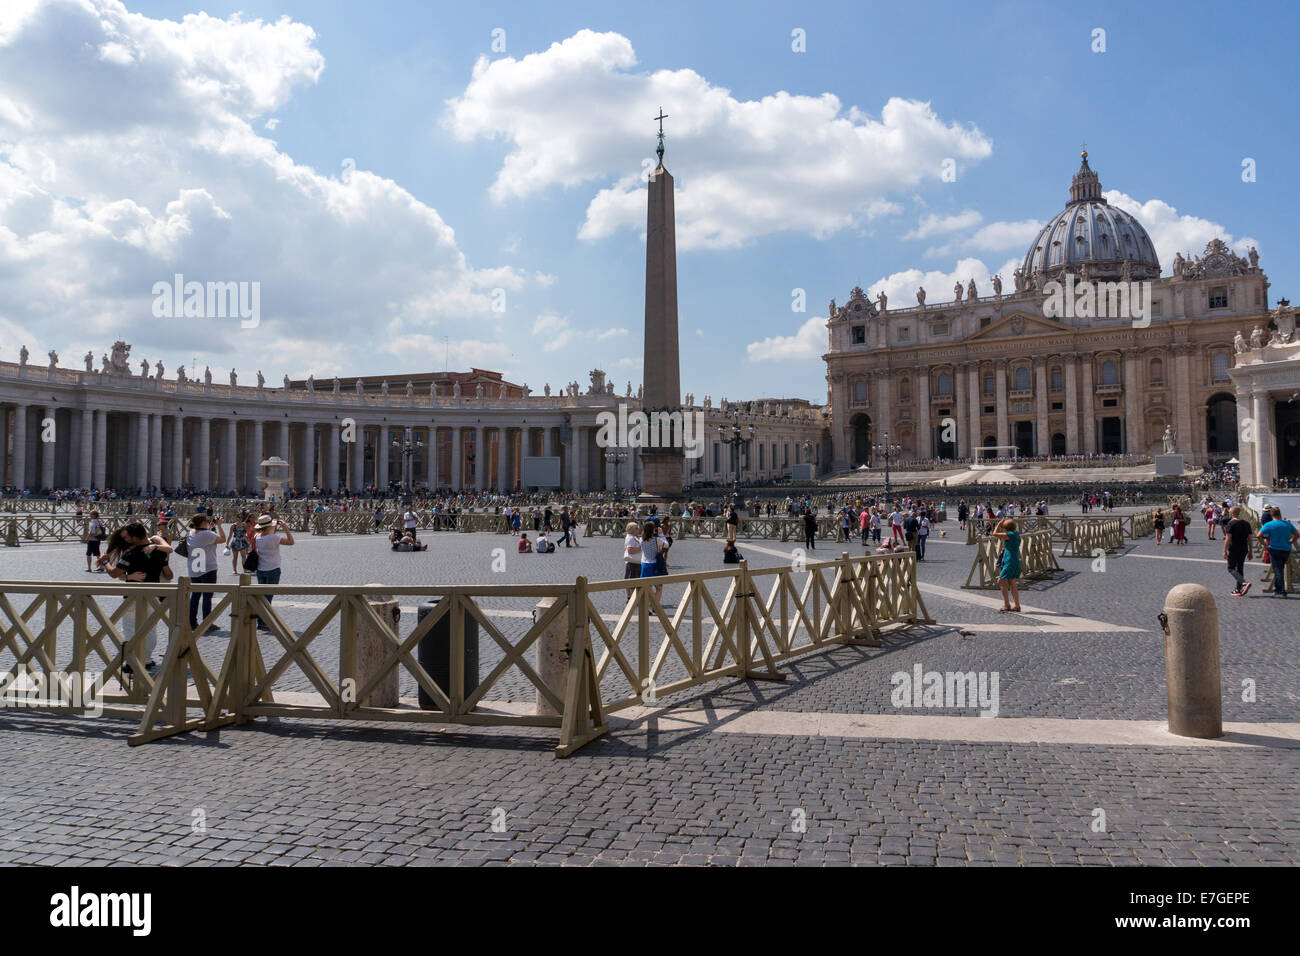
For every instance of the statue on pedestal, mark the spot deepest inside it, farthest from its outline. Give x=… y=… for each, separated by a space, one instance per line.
x=455 y=392
x=527 y=392
x=502 y=396
x=261 y=380
x=207 y=376
x=286 y=384
x=956 y=291
x=548 y=389
x=23 y=354
x=1170 y=440
x=144 y=368
x=158 y=370
x=311 y=386
x=410 y=391
x=336 y=388
x=90 y=361
x=234 y=379
x=997 y=285
x=971 y=294
x=882 y=300
x=920 y=296
x=1239 y=343
x=180 y=374
x=1257 y=337
x=1254 y=258
x=54 y=359
x=383 y=391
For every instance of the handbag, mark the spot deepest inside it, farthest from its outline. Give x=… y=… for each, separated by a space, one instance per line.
x=182 y=547
x=251 y=561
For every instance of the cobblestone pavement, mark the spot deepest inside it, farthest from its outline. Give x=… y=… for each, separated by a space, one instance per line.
x=315 y=793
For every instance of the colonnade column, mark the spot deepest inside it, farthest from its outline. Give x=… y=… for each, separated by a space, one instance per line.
x=229 y=452
x=1260 y=451
x=962 y=395
x=201 y=469
x=100 y=454
x=47 y=448
x=356 y=457
x=457 y=450
x=176 y=465
x=330 y=457
x=253 y=465
x=140 y=435
x=155 y=451
x=383 y=445
x=503 y=460
x=20 y=447
x=86 y=462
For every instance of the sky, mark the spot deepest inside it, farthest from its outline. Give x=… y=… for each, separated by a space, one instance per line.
x=419 y=186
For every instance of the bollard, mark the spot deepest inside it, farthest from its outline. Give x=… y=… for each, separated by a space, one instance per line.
x=373 y=647
x=11 y=536
x=552 y=655
x=1191 y=625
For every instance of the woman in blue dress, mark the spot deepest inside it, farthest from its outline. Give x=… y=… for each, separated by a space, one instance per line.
x=1009 y=567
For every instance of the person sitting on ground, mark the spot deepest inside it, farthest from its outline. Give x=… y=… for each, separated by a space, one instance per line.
x=525 y=546
x=730 y=555
x=544 y=545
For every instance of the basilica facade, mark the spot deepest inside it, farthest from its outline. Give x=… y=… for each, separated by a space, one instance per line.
x=1093 y=350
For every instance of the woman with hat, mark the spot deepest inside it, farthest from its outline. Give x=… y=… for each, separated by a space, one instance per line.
x=272 y=534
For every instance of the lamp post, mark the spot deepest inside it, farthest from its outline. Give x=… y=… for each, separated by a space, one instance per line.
x=739 y=437
x=616 y=456
x=887 y=451
x=407 y=447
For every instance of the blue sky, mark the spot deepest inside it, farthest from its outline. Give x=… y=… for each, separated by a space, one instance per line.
x=529 y=184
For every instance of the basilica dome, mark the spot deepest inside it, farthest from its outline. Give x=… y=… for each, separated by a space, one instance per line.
x=1091 y=239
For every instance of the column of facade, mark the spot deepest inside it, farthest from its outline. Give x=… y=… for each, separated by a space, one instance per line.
x=48 y=448
x=961 y=415
x=330 y=458
x=100 y=467
x=570 y=462
x=1071 y=405
x=155 y=451
x=1042 y=434
x=1004 y=426
x=86 y=458
x=305 y=469
x=974 y=406
x=1089 y=402
x=1183 y=410
x=883 y=419
x=636 y=466
x=548 y=441
x=924 y=438
x=20 y=447
x=282 y=441
x=1133 y=444
x=456 y=451
x=503 y=459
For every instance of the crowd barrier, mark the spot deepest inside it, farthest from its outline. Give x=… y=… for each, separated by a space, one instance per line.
x=1036 y=559
x=1132 y=526
x=731 y=623
x=1084 y=536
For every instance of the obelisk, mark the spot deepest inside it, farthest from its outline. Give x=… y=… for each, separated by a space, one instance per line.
x=661 y=467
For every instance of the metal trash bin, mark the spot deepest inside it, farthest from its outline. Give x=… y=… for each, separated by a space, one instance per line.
x=434 y=654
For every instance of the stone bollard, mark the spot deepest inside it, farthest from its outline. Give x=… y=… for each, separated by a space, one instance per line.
x=11 y=535
x=1191 y=625
x=552 y=659
x=373 y=648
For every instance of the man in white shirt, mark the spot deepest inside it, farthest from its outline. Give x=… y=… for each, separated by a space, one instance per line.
x=410 y=522
x=896 y=524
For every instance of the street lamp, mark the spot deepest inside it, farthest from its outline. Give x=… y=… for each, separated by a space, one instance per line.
x=616 y=456
x=408 y=448
x=738 y=438
x=887 y=451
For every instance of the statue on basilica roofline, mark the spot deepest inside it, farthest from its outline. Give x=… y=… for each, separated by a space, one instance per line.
x=180 y=375
x=54 y=359
x=23 y=355
x=956 y=292
x=158 y=370
x=1239 y=343
x=920 y=296
x=90 y=361
x=882 y=300
x=970 y=291
x=830 y=313
x=997 y=285
x=1257 y=337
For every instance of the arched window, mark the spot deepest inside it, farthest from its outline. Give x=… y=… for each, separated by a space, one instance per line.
x=990 y=386
x=945 y=384
x=905 y=390
x=1220 y=366
x=1157 y=371
x=1109 y=373
x=859 y=392
x=1022 y=379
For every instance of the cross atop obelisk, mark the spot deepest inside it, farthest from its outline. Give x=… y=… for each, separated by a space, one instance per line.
x=660 y=150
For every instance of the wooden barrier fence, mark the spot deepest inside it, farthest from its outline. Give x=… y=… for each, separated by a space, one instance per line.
x=1089 y=535
x=727 y=623
x=1037 y=559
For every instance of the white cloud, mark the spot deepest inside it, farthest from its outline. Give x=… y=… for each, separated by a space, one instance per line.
x=1172 y=233
x=554 y=329
x=900 y=287
x=933 y=224
x=611 y=333
x=993 y=237
x=579 y=114
x=147 y=160
x=809 y=342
